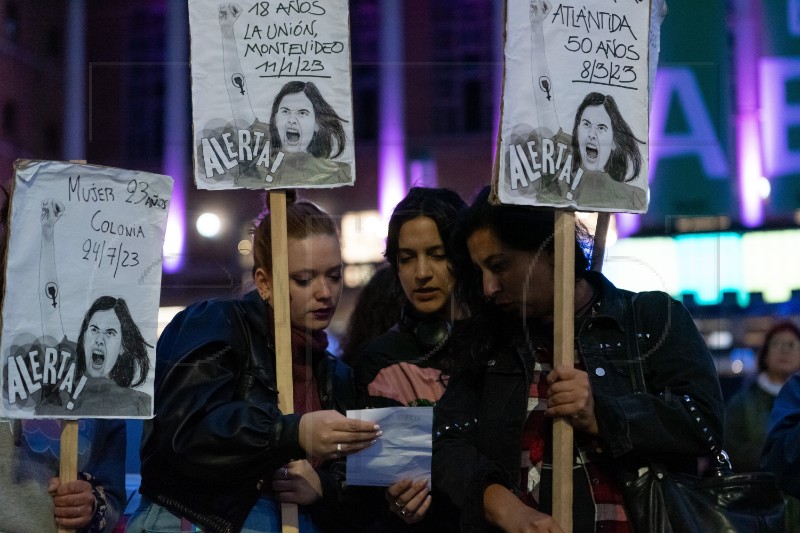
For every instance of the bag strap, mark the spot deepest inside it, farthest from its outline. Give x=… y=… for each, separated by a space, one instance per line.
x=722 y=464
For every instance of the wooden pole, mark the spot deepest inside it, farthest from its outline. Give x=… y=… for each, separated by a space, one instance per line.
x=563 y=342
x=68 y=455
x=283 y=339
x=599 y=247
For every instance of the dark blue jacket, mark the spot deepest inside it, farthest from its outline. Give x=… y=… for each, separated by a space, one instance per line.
x=781 y=454
x=478 y=422
x=218 y=434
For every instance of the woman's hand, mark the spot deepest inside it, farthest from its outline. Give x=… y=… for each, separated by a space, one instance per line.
x=504 y=510
x=297 y=482
x=539 y=11
x=51 y=212
x=570 y=396
x=329 y=435
x=228 y=13
x=73 y=502
x=409 y=500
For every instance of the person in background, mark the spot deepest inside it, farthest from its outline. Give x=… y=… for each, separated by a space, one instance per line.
x=747 y=413
x=34 y=499
x=409 y=363
x=376 y=310
x=220 y=454
x=492 y=443
x=781 y=454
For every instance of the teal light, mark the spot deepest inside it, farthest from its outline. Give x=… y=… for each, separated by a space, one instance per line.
x=770 y=262
x=710 y=264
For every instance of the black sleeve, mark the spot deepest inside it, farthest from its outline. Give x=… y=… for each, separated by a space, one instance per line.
x=781 y=454
x=677 y=363
x=460 y=471
x=207 y=423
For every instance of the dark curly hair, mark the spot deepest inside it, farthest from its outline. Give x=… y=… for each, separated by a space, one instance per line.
x=133 y=360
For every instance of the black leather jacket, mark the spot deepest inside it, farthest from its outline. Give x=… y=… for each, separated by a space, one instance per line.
x=478 y=422
x=218 y=434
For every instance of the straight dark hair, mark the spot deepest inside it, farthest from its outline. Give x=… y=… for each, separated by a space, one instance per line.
x=519 y=227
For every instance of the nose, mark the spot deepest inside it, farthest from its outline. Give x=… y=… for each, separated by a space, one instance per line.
x=491 y=285
x=323 y=290
x=423 y=270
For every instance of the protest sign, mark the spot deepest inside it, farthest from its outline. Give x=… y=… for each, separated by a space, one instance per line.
x=82 y=288
x=575 y=100
x=271 y=94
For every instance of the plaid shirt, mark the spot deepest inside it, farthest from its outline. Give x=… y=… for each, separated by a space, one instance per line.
x=609 y=510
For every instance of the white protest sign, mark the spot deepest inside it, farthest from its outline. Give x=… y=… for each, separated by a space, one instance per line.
x=82 y=288
x=575 y=105
x=271 y=94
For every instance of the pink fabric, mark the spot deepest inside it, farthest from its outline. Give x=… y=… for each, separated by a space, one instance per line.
x=406 y=382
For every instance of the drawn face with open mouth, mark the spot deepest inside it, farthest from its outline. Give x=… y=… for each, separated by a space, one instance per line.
x=595 y=138
x=296 y=122
x=101 y=343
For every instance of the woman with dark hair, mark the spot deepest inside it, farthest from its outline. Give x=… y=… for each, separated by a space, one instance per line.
x=376 y=310
x=303 y=126
x=110 y=352
x=492 y=448
x=220 y=454
x=747 y=413
x=130 y=361
x=409 y=363
x=605 y=153
x=324 y=138
x=603 y=141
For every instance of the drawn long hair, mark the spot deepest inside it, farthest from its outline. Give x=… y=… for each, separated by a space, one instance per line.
x=625 y=142
x=133 y=358
x=329 y=139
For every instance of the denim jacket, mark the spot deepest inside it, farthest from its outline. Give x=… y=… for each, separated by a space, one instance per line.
x=478 y=423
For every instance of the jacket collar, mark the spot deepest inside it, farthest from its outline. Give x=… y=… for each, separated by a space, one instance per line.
x=258 y=313
x=611 y=299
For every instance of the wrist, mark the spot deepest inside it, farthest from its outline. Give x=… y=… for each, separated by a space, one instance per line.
x=98 y=521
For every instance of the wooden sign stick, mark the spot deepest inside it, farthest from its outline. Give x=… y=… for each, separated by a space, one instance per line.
x=563 y=342
x=68 y=455
x=600 y=235
x=283 y=333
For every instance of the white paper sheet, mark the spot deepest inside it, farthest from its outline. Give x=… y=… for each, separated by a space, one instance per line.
x=403 y=451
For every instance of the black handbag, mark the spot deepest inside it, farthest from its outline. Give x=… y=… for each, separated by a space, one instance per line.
x=660 y=501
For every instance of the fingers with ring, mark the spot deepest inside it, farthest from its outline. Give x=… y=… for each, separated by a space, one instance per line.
x=406 y=512
x=398 y=504
x=339 y=449
x=285 y=472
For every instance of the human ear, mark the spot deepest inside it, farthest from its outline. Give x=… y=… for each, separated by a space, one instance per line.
x=263 y=281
